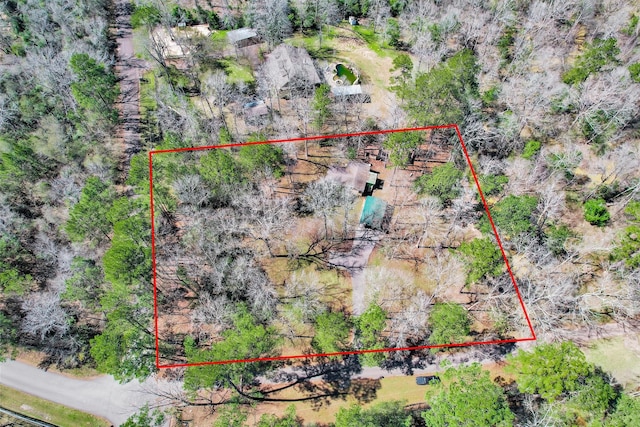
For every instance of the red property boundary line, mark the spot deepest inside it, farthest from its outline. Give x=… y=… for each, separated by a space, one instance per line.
x=302 y=356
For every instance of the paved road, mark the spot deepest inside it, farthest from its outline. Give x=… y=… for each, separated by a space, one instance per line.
x=104 y=397
x=101 y=396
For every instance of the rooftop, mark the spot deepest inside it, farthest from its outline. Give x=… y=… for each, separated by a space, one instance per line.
x=355 y=175
x=346 y=90
x=287 y=63
x=235 y=36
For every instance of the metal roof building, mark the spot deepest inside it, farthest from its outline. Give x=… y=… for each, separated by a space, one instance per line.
x=243 y=37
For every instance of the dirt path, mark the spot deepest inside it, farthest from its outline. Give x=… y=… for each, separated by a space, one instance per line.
x=129 y=70
x=355 y=263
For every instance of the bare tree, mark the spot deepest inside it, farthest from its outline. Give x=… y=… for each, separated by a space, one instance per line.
x=379 y=10
x=44 y=316
x=219 y=90
x=190 y=189
x=324 y=196
x=216 y=311
x=265 y=218
x=305 y=294
x=270 y=19
x=551 y=202
x=325 y=12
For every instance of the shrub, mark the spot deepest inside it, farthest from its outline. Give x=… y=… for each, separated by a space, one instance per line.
x=505 y=43
x=634 y=71
x=531 y=148
x=595 y=212
x=490 y=95
x=555 y=238
x=633 y=23
x=565 y=162
x=596 y=55
x=628 y=248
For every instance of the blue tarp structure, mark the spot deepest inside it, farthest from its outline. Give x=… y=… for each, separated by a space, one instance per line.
x=373 y=212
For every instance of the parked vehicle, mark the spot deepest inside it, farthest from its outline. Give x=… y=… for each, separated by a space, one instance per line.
x=427 y=379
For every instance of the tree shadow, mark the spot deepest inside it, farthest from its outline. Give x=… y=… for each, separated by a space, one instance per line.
x=365 y=390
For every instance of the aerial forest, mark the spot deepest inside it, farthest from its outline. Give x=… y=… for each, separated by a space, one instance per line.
x=187 y=182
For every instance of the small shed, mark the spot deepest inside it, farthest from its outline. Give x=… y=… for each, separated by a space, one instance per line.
x=374 y=213
x=351 y=93
x=243 y=37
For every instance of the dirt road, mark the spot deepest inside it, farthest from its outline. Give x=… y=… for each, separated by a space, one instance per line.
x=355 y=263
x=129 y=70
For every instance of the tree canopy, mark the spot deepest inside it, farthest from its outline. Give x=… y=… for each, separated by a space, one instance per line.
x=492 y=184
x=369 y=326
x=450 y=323
x=95 y=87
x=321 y=103
x=550 y=370
x=400 y=145
x=626 y=412
x=218 y=167
x=512 y=215
x=145 y=417
x=332 y=332
x=441 y=95
x=483 y=257
x=88 y=217
x=466 y=396
x=383 y=414
x=125 y=349
x=442 y=182
x=261 y=156
x=246 y=340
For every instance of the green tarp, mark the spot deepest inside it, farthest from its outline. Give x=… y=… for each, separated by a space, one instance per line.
x=373 y=212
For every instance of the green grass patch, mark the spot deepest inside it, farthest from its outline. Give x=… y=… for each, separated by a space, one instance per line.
x=309 y=42
x=621 y=360
x=219 y=36
x=140 y=40
x=383 y=390
x=531 y=148
x=373 y=42
x=147 y=90
x=237 y=73
x=51 y=412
